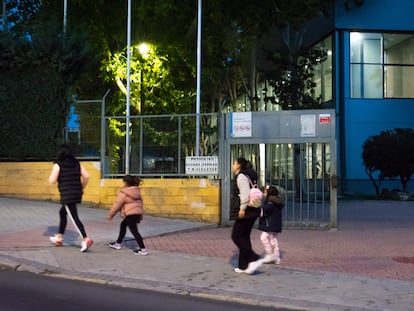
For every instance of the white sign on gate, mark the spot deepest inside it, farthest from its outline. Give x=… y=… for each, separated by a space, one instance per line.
x=308 y=125
x=241 y=124
x=202 y=165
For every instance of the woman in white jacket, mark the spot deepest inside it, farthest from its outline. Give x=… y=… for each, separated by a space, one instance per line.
x=244 y=218
x=129 y=203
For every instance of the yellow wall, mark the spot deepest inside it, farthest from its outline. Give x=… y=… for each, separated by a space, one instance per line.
x=192 y=199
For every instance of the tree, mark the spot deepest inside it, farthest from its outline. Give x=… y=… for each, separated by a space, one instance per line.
x=152 y=88
x=16 y=14
x=233 y=40
x=246 y=43
x=371 y=156
x=391 y=154
x=37 y=72
x=294 y=89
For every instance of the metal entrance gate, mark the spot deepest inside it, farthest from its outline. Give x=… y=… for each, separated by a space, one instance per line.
x=292 y=150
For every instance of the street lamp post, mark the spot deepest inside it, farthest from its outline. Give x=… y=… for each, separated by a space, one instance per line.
x=128 y=95
x=142 y=92
x=65 y=15
x=198 y=78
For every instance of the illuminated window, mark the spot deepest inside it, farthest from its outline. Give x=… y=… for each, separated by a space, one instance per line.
x=382 y=65
x=323 y=72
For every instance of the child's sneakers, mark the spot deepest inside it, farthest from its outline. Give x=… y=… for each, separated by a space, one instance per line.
x=271 y=258
x=57 y=240
x=115 y=245
x=141 y=251
x=86 y=243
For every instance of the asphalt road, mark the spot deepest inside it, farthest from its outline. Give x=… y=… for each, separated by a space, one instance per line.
x=24 y=291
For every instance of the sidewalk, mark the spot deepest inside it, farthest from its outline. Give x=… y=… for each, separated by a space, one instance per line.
x=367 y=264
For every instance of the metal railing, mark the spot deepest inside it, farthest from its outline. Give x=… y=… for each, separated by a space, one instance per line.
x=158 y=144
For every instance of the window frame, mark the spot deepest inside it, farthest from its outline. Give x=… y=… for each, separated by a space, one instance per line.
x=383 y=64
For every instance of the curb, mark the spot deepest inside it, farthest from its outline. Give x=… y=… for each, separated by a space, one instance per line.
x=25 y=265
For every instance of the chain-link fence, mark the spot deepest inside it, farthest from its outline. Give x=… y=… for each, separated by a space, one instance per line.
x=83 y=131
x=158 y=144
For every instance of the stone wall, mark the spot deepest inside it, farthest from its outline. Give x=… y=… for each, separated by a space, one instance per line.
x=192 y=199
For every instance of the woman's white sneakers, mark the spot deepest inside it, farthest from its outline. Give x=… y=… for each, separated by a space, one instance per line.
x=142 y=251
x=115 y=245
x=55 y=239
x=238 y=270
x=86 y=243
x=251 y=268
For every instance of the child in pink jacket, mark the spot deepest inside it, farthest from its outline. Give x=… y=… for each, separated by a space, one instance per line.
x=129 y=203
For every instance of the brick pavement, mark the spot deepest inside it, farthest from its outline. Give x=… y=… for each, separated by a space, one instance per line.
x=372 y=251
x=376 y=255
x=372 y=241
x=374 y=238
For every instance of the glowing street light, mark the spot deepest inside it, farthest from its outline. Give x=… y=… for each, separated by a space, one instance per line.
x=144 y=50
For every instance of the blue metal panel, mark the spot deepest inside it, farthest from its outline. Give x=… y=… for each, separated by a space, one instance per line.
x=376 y=15
x=360 y=118
x=365 y=118
x=365 y=187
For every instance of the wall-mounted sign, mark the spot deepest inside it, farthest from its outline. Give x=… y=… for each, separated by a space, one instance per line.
x=308 y=125
x=201 y=165
x=241 y=124
x=324 y=118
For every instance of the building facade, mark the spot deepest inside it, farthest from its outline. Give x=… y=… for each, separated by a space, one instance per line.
x=373 y=80
x=367 y=77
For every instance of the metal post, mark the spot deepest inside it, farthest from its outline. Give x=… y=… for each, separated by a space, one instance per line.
x=333 y=187
x=179 y=146
x=141 y=144
x=225 y=168
x=65 y=15
x=4 y=17
x=142 y=91
x=198 y=78
x=103 y=133
x=127 y=112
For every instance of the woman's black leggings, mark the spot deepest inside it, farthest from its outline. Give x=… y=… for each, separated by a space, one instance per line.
x=72 y=211
x=241 y=237
x=130 y=221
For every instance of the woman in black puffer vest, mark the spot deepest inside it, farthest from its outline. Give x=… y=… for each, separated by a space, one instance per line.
x=71 y=177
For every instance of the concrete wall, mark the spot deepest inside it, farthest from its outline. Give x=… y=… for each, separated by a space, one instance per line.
x=192 y=199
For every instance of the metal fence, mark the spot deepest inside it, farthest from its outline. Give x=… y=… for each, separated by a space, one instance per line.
x=298 y=165
x=293 y=150
x=83 y=130
x=300 y=172
x=158 y=144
